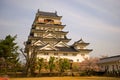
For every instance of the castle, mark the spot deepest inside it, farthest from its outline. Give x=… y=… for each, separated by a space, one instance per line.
x=47 y=38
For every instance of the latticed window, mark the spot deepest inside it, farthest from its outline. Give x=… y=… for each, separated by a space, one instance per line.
x=82 y=54
x=77 y=60
x=41 y=28
x=73 y=54
x=49 y=21
x=37 y=28
x=65 y=54
x=45 y=53
x=55 y=53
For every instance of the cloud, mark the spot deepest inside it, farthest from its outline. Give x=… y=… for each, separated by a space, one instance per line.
x=83 y=19
x=106 y=7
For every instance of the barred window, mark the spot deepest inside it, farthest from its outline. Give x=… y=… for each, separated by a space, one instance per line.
x=73 y=54
x=45 y=53
x=77 y=60
x=65 y=54
x=55 y=53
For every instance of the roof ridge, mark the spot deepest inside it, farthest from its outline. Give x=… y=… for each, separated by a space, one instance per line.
x=46 y=12
x=110 y=57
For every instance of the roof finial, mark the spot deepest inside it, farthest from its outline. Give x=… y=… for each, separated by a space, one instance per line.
x=81 y=39
x=55 y=12
x=38 y=10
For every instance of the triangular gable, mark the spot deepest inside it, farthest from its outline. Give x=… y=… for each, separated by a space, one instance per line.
x=48 y=47
x=50 y=35
x=61 y=44
x=39 y=43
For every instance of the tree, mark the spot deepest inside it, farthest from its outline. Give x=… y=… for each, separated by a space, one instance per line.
x=9 y=52
x=89 y=65
x=64 y=64
x=40 y=63
x=30 y=60
x=51 y=63
x=8 y=48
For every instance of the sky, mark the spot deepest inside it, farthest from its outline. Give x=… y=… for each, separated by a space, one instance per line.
x=95 y=21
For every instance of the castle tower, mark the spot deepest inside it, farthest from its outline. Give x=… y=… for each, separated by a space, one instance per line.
x=80 y=46
x=47 y=38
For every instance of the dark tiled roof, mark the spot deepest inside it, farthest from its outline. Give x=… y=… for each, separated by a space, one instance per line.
x=49 y=25
x=110 y=59
x=80 y=41
x=58 y=32
x=47 y=13
x=85 y=49
x=62 y=49
x=67 y=49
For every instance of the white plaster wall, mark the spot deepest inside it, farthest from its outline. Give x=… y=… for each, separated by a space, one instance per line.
x=110 y=66
x=70 y=56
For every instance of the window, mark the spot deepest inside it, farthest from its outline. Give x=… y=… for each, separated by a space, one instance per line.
x=56 y=29
x=49 y=21
x=56 y=54
x=41 y=28
x=82 y=54
x=113 y=67
x=45 y=53
x=71 y=60
x=59 y=29
x=35 y=35
x=37 y=27
x=101 y=66
x=117 y=66
x=62 y=36
x=65 y=54
x=74 y=54
x=77 y=60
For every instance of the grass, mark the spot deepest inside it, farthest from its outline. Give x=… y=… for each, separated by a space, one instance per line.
x=67 y=78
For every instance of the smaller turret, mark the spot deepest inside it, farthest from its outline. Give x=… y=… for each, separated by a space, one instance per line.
x=80 y=46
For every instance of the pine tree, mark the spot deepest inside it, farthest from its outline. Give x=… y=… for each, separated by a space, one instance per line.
x=9 y=54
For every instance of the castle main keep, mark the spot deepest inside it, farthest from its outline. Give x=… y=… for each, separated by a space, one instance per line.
x=47 y=38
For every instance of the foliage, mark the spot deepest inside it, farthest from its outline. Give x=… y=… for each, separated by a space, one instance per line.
x=64 y=64
x=75 y=68
x=51 y=63
x=30 y=61
x=89 y=66
x=40 y=63
x=8 y=48
x=9 y=54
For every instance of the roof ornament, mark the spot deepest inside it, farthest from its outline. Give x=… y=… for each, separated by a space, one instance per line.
x=37 y=14
x=38 y=10
x=55 y=12
x=81 y=39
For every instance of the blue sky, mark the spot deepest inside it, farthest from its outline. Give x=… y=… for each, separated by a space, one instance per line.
x=95 y=21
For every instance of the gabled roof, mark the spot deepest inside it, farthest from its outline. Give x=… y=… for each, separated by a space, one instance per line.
x=49 y=25
x=81 y=42
x=67 y=49
x=88 y=50
x=61 y=44
x=47 y=13
x=49 y=35
x=38 y=43
x=48 y=47
x=110 y=59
